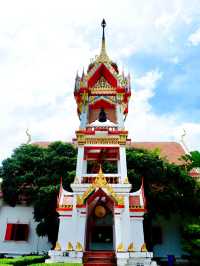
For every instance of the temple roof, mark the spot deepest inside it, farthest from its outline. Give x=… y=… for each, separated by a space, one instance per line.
x=172 y=151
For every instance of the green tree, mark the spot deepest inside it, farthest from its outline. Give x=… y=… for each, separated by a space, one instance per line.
x=191 y=228
x=192 y=160
x=165 y=184
x=32 y=175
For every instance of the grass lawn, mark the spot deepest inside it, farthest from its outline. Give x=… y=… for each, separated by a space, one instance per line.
x=57 y=264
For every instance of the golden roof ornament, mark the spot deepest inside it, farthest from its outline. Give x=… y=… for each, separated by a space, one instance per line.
x=100 y=180
x=120 y=247
x=79 y=247
x=57 y=247
x=183 y=140
x=103 y=57
x=69 y=246
x=131 y=247
x=144 y=248
x=29 y=136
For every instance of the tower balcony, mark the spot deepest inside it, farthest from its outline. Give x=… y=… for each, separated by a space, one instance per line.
x=110 y=178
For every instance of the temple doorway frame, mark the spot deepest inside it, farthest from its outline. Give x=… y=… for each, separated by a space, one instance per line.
x=98 y=198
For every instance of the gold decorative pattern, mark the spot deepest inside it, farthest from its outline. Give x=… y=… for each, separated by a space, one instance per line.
x=101 y=140
x=122 y=139
x=131 y=247
x=87 y=193
x=103 y=91
x=100 y=182
x=69 y=246
x=102 y=83
x=144 y=248
x=102 y=87
x=80 y=138
x=57 y=247
x=79 y=200
x=120 y=200
x=79 y=247
x=103 y=57
x=120 y=248
x=126 y=181
x=66 y=206
x=76 y=180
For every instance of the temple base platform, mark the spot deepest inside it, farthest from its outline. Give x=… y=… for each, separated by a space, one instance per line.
x=64 y=256
x=103 y=258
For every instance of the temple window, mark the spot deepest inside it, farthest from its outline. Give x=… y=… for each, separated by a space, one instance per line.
x=157 y=235
x=17 y=232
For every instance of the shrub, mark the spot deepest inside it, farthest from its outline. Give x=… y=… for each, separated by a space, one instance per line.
x=57 y=264
x=22 y=261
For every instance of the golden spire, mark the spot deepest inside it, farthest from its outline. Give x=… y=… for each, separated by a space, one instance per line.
x=103 y=57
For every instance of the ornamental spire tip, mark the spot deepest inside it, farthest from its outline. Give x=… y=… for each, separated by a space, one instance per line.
x=103 y=57
x=103 y=24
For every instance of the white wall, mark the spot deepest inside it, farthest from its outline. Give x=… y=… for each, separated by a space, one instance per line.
x=21 y=214
x=171 y=238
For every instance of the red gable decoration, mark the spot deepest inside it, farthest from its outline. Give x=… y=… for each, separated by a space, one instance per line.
x=102 y=71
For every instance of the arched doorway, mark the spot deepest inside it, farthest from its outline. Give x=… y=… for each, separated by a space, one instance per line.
x=100 y=222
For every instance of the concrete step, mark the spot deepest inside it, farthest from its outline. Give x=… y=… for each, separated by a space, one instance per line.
x=99 y=258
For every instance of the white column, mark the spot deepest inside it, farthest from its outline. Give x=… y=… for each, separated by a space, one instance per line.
x=84 y=167
x=120 y=120
x=137 y=232
x=81 y=228
x=74 y=222
x=126 y=223
x=79 y=221
x=83 y=117
x=65 y=235
x=79 y=164
x=123 y=166
x=118 y=235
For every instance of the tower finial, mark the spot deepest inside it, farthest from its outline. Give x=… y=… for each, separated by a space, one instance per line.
x=103 y=57
x=103 y=24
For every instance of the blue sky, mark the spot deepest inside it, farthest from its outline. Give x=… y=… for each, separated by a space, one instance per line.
x=43 y=44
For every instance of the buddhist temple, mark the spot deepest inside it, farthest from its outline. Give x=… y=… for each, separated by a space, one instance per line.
x=101 y=220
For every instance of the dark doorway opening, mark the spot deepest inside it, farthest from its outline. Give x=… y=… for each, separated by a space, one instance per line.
x=100 y=222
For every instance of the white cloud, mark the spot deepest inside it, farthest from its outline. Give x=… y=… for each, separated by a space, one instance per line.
x=144 y=125
x=194 y=38
x=43 y=43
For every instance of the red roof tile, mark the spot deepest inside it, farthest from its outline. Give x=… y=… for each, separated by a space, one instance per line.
x=43 y=144
x=172 y=151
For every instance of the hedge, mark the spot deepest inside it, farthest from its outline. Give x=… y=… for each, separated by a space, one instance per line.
x=57 y=264
x=22 y=261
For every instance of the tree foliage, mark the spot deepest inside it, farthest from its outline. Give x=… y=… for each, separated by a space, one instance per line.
x=191 y=228
x=33 y=174
x=192 y=160
x=168 y=187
